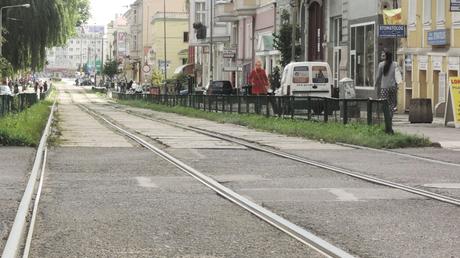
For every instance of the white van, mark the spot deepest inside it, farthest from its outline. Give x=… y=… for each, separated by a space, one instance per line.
x=306 y=79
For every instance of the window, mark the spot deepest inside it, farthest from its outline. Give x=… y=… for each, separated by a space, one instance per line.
x=320 y=74
x=427 y=13
x=363 y=55
x=200 y=12
x=456 y=20
x=301 y=75
x=412 y=21
x=185 y=36
x=440 y=13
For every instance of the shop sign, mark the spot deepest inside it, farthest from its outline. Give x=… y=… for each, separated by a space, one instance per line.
x=392 y=31
x=453 y=102
x=455 y=5
x=146 y=68
x=436 y=61
x=423 y=63
x=453 y=63
x=229 y=53
x=438 y=37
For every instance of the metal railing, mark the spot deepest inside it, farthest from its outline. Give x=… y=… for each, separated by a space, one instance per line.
x=20 y=102
x=369 y=111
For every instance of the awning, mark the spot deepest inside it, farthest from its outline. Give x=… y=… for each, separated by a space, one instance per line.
x=187 y=69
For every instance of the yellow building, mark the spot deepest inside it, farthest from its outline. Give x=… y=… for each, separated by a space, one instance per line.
x=430 y=53
x=176 y=41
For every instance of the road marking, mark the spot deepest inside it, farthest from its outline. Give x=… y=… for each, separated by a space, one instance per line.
x=145 y=182
x=343 y=195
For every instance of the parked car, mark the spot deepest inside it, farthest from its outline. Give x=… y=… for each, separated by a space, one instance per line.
x=5 y=90
x=220 y=88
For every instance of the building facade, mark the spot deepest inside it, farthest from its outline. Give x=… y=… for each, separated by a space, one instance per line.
x=176 y=42
x=84 y=50
x=430 y=53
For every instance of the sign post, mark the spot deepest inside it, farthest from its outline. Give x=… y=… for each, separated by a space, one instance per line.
x=453 y=102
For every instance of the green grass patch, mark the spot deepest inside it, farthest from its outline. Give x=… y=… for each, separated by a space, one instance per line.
x=357 y=134
x=25 y=128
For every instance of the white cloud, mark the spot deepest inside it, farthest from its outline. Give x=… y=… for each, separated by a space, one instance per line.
x=103 y=11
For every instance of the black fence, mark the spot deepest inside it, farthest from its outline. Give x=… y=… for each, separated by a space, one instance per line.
x=369 y=111
x=20 y=102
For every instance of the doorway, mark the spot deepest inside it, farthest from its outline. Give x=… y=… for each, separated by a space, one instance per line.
x=315 y=32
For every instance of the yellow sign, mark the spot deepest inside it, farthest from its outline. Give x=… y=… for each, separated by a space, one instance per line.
x=392 y=16
x=453 y=102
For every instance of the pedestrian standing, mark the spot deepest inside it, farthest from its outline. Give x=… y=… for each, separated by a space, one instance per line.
x=36 y=87
x=258 y=79
x=45 y=86
x=386 y=77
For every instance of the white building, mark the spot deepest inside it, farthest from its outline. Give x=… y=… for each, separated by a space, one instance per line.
x=85 y=48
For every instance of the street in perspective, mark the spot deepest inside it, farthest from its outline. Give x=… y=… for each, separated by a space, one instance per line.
x=233 y=128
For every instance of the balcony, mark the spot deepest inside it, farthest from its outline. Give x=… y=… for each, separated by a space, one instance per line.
x=245 y=7
x=225 y=12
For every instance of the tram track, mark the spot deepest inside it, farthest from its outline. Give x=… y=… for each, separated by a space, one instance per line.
x=266 y=215
x=15 y=242
x=319 y=164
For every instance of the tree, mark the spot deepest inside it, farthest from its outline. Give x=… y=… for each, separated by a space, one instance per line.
x=275 y=78
x=6 y=70
x=283 y=39
x=111 y=69
x=46 y=24
x=157 y=77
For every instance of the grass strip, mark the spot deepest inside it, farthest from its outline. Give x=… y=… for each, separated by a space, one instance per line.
x=353 y=133
x=25 y=128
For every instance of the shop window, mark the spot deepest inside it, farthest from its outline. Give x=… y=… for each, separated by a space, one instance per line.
x=363 y=55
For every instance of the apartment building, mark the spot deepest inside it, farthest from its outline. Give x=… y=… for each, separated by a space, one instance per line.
x=431 y=51
x=140 y=36
x=84 y=50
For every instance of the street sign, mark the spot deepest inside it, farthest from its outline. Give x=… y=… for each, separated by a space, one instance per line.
x=455 y=5
x=438 y=37
x=229 y=53
x=392 y=31
x=146 y=68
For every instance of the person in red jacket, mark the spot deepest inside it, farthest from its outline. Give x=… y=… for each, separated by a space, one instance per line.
x=258 y=79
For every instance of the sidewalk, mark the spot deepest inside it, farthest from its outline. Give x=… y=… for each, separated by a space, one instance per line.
x=448 y=137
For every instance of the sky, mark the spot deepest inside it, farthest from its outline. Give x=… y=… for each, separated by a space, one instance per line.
x=103 y=11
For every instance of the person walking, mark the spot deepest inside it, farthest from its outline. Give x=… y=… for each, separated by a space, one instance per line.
x=386 y=78
x=258 y=79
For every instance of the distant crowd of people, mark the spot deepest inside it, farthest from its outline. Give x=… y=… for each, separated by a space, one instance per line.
x=21 y=85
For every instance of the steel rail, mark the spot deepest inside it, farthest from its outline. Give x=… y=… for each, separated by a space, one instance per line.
x=255 y=146
x=442 y=162
x=15 y=238
x=273 y=219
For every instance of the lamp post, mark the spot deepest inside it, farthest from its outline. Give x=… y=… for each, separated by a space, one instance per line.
x=1 y=19
x=164 y=38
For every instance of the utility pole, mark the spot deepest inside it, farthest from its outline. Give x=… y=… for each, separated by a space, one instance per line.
x=164 y=39
x=295 y=6
x=211 y=52
x=102 y=56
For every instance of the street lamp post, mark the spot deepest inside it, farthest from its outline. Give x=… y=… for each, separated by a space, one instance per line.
x=164 y=37
x=1 y=19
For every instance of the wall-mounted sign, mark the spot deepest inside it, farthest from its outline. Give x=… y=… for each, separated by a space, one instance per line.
x=146 y=68
x=230 y=69
x=229 y=53
x=392 y=31
x=438 y=37
x=455 y=5
x=423 y=63
x=436 y=61
x=453 y=63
